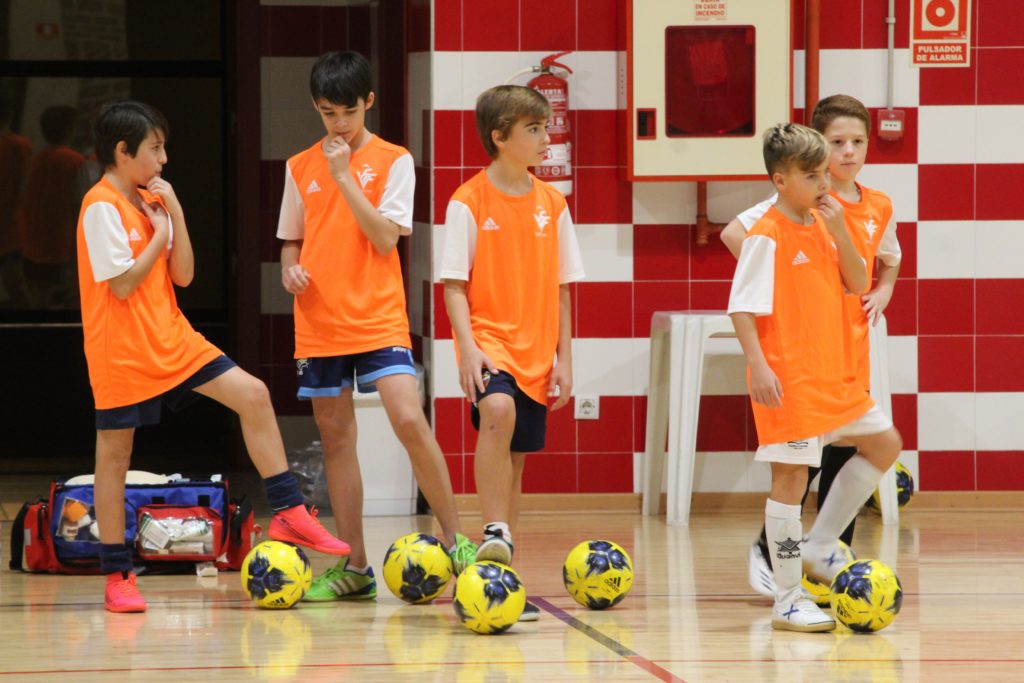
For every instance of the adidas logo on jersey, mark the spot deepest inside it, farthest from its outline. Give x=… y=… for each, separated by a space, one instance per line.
x=313 y=187
x=800 y=259
x=489 y=224
x=134 y=236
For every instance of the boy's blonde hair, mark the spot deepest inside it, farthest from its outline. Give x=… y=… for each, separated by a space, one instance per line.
x=501 y=107
x=837 y=106
x=787 y=144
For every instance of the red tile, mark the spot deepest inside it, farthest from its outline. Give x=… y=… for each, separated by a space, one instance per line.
x=270 y=246
x=712 y=262
x=334 y=29
x=455 y=473
x=935 y=201
x=613 y=432
x=993 y=201
x=283 y=389
x=598 y=132
x=661 y=252
x=418 y=28
x=602 y=25
x=946 y=470
x=266 y=338
x=876 y=31
x=473 y=153
x=902 y=151
x=904 y=416
x=603 y=196
x=469 y=472
x=639 y=424
x=606 y=473
x=469 y=433
x=798 y=37
x=490 y=25
x=906 y=233
x=752 y=441
x=840 y=22
x=950 y=86
x=604 y=309
x=448 y=25
x=995 y=83
x=994 y=315
x=650 y=297
x=360 y=37
x=282 y=341
x=561 y=430
x=945 y=364
x=547 y=25
x=998 y=23
x=721 y=424
x=286 y=31
x=709 y=295
x=550 y=473
x=275 y=173
x=421 y=200
x=999 y=363
x=442 y=324
x=1000 y=470
x=446 y=181
x=447 y=417
x=901 y=314
x=945 y=306
x=448 y=138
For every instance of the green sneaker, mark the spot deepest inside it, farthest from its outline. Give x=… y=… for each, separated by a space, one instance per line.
x=340 y=583
x=463 y=553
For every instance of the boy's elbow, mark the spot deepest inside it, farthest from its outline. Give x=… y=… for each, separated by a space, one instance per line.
x=122 y=290
x=183 y=280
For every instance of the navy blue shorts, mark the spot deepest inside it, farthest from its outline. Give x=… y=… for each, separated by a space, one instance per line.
x=148 y=412
x=331 y=375
x=531 y=417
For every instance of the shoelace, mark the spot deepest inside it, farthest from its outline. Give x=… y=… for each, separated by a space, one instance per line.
x=126 y=586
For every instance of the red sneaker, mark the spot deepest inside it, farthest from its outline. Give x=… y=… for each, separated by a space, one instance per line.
x=122 y=595
x=297 y=525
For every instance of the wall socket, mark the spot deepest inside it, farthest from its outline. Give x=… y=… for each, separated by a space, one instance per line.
x=588 y=407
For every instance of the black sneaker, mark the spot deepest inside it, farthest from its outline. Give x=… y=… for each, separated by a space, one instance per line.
x=530 y=613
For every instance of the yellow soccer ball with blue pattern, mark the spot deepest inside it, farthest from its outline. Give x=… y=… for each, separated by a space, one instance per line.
x=417 y=568
x=276 y=575
x=904 y=489
x=866 y=596
x=598 y=574
x=821 y=593
x=489 y=597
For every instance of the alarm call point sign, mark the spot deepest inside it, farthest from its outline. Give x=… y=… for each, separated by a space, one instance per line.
x=940 y=33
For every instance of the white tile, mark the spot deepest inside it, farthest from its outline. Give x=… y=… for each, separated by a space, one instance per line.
x=419 y=102
x=903 y=365
x=722 y=471
x=606 y=367
x=480 y=71
x=1000 y=135
x=658 y=203
x=607 y=252
x=999 y=426
x=899 y=181
x=998 y=246
x=288 y=78
x=291 y=131
x=444 y=370
x=947 y=135
x=799 y=78
x=725 y=369
x=273 y=297
x=945 y=249
x=437 y=249
x=726 y=200
x=446 y=80
x=759 y=475
x=946 y=422
x=863 y=74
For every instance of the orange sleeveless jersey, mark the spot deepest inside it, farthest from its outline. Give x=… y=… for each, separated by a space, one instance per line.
x=356 y=299
x=804 y=336
x=513 y=286
x=142 y=346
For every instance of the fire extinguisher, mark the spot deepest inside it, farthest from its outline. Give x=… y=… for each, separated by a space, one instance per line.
x=556 y=168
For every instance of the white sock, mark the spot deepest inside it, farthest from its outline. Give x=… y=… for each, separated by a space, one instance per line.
x=493 y=528
x=344 y=564
x=851 y=487
x=784 y=531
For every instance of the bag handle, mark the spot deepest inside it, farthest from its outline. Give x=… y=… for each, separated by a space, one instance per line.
x=243 y=508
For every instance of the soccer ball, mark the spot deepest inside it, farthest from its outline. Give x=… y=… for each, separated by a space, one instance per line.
x=417 y=568
x=822 y=592
x=598 y=574
x=904 y=489
x=276 y=575
x=866 y=595
x=489 y=597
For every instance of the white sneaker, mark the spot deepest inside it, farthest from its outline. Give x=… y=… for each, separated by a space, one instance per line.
x=496 y=549
x=759 y=572
x=794 y=610
x=823 y=565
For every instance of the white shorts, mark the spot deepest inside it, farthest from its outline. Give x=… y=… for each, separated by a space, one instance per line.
x=808 y=451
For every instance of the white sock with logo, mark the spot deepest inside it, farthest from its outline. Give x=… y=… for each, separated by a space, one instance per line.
x=784 y=532
x=851 y=487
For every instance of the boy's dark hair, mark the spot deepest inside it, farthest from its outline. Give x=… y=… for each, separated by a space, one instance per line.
x=788 y=144
x=126 y=120
x=836 y=106
x=58 y=124
x=500 y=107
x=341 y=78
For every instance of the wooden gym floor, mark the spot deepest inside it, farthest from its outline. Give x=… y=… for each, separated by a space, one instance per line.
x=690 y=617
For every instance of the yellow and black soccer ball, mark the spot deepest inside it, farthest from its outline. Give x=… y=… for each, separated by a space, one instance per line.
x=489 y=597
x=904 y=489
x=598 y=574
x=276 y=575
x=866 y=596
x=417 y=568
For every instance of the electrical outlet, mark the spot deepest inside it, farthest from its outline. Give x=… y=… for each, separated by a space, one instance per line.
x=588 y=407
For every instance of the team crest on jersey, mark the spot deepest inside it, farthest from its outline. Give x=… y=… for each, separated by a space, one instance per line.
x=301 y=364
x=313 y=187
x=366 y=175
x=134 y=236
x=872 y=227
x=542 y=219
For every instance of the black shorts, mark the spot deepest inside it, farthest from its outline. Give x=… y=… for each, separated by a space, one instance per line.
x=531 y=417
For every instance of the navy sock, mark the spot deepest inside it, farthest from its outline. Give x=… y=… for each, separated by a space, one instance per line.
x=283 y=491
x=115 y=557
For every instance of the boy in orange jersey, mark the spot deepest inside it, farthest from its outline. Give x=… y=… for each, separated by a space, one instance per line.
x=846 y=125
x=133 y=248
x=510 y=254
x=347 y=200
x=788 y=309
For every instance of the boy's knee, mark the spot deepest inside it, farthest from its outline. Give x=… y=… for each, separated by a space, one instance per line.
x=497 y=415
x=256 y=395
